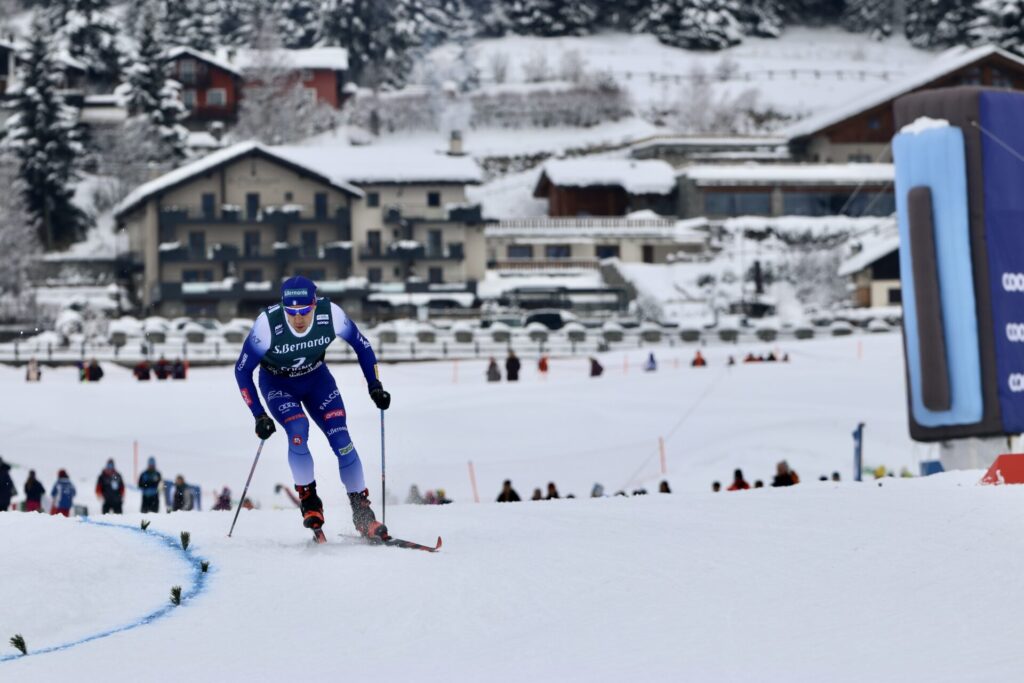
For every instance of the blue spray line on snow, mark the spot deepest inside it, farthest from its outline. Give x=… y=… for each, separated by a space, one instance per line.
x=198 y=586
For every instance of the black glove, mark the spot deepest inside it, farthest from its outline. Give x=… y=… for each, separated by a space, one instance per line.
x=265 y=426
x=380 y=397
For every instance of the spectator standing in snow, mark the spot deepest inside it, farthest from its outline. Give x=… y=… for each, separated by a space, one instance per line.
x=34 y=492
x=182 y=495
x=32 y=371
x=537 y=495
x=758 y=484
x=442 y=499
x=493 y=372
x=149 y=484
x=552 y=491
x=836 y=477
x=698 y=360
x=63 y=495
x=715 y=487
x=738 y=482
x=508 y=494
x=223 y=500
x=597 y=491
x=595 y=368
x=651 y=365
x=542 y=365
x=414 y=497
x=110 y=489
x=663 y=488
x=142 y=370
x=784 y=476
x=512 y=366
x=7 y=489
x=162 y=368
x=180 y=369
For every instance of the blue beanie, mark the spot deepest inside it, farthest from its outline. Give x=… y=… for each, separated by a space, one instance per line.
x=298 y=291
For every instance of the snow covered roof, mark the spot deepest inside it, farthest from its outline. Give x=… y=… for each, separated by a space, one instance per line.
x=709 y=142
x=371 y=165
x=949 y=61
x=635 y=177
x=559 y=229
x=332 y=58
x=207 y=57
x=872 y=250
x=211 y=161
x=806 y=174
x=464 y=299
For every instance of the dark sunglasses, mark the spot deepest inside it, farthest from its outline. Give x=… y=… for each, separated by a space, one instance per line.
x=298 y=311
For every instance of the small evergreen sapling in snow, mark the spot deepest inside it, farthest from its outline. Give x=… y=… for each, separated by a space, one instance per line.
x=18 y=641
x=175 y=595
x=185 y=538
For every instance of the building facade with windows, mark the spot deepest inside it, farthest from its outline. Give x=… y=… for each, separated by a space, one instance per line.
x=862 y=130
x=210 y=87
x=320 y=71
x=215 y=237
x=605 y=187
x=562 y=244
x=725 y=191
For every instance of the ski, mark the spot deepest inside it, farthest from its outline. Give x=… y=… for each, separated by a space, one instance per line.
x=319 y=537
x=401 y=543
x=396 y=542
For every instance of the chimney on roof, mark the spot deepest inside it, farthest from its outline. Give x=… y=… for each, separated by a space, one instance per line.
x=455 y=144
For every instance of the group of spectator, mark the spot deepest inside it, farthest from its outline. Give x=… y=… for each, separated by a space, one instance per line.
x=510 y=495
x=162 y=369
x=784 y=476
x=110 y=490
x=512 y=367
x=429 y=498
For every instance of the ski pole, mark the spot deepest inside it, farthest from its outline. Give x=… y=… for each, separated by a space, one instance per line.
x=383 y=480
x=246 y=489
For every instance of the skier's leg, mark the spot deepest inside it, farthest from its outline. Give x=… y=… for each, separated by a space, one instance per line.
x=285 y=408
x=328 y=411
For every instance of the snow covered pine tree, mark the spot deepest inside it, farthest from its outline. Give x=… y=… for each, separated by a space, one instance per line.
x=691 y=24
x=44 y=137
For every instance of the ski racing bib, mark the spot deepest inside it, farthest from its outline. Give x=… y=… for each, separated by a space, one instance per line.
x=291 y=355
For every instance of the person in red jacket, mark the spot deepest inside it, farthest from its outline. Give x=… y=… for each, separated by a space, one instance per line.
x=738 y=482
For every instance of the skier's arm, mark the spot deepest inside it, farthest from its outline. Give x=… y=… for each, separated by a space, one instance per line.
x=347 y=330
x=253 y=350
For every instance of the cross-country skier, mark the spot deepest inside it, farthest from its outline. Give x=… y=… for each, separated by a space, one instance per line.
x=288 y=342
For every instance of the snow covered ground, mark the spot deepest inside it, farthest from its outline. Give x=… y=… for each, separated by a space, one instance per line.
x=803 y=71
x=844 y=582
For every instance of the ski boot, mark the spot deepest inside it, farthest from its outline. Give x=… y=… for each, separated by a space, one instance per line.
x=311 y=506
x=364 y=519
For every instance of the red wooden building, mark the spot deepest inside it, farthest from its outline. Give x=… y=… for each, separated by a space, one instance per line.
x=320 y=70
x=210 y=87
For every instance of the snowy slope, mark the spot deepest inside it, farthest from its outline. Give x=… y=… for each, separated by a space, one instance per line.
x=445 y=415
x=805 y=70
x=915 y=580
